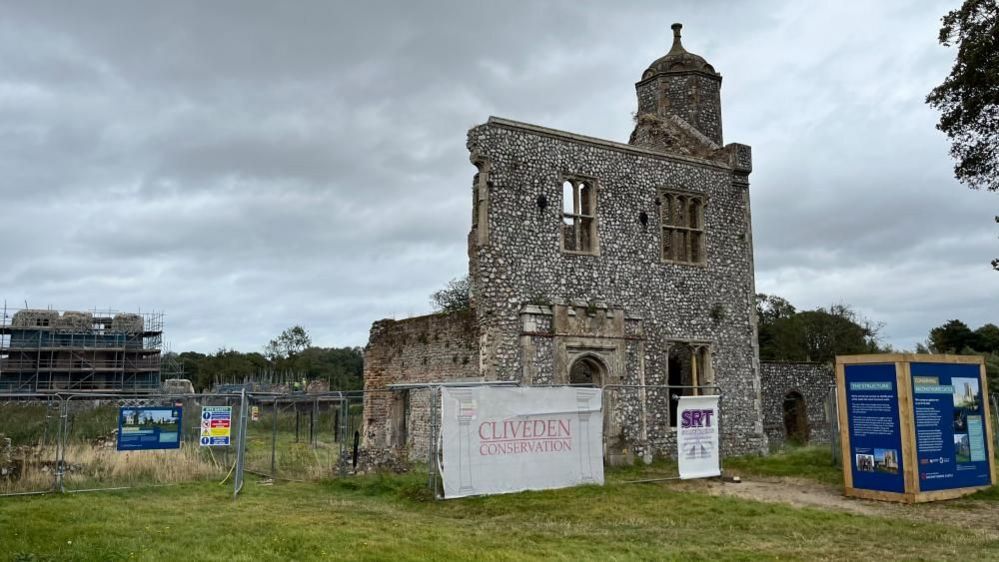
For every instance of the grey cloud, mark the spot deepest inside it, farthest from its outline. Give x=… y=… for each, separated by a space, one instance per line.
x=244 y=166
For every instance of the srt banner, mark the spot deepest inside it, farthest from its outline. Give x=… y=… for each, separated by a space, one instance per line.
x=697 y=437
x=507 y=439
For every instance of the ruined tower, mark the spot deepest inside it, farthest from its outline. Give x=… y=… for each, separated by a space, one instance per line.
x=682 y=84
x=625 y=266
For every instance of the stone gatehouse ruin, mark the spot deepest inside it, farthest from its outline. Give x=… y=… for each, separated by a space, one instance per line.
x=597 y=262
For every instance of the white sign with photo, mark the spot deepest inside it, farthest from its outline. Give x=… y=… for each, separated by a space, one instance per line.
x=497 y=440
x=697 y=437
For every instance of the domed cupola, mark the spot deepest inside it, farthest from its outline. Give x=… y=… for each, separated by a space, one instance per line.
x=678 y=60
x=682 y=84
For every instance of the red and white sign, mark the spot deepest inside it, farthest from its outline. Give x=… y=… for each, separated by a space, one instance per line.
x=507 y=439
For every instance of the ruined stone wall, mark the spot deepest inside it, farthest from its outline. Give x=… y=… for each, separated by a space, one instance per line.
x=813 y=381
x=522 y=260
x=434 y=348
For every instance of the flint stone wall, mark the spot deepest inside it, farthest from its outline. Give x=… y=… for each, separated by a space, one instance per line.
x=522 y=260
x=693 y=97
x=813 y=381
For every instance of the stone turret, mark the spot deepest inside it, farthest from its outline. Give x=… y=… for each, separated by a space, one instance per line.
x=681 y=85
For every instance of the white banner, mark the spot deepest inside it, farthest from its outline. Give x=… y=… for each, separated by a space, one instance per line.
x=507 y=439
x=697 y=437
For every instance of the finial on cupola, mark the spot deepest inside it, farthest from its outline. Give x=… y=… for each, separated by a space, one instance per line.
x=677 y=47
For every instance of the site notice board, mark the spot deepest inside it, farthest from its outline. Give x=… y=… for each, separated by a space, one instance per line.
x=914 y=428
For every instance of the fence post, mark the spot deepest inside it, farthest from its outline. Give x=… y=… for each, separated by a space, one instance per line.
x=237 y=482
x=342 y=426
x=430 y=440
x=274 y=416
x=432 y=445
x=313 y=415
x=62 y=443
x=721 y=436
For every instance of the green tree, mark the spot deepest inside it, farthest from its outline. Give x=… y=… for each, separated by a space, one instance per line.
x=813 y=335
x=341 y=367
x=291 y=341
x=988 y=338
x=837 y=331
x=770 y=308
x=952 y=337
x=194 y=369
x=455 y=297
x=956 y=337
x=968 y=99
x=992 y=371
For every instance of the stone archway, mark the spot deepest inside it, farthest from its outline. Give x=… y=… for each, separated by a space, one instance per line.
x=588 y=370
x=795 y=418
x=592 y=370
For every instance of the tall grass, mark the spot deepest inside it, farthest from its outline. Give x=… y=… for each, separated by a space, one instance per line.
x=89 y=466
x=123 y=468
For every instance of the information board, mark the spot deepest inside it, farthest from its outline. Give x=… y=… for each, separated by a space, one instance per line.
x=149 y=428
x=875 y=430
x=216 y=424
x=914 y=427
x=950 y=426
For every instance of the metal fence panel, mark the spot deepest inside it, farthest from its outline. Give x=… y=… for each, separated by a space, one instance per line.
x=30 y=427
x=91 y=459
x=301 y=436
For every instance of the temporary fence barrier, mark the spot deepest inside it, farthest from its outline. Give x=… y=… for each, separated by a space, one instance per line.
x=31 y=428
x=303 y=436
x=69 y=441
x=81 y=442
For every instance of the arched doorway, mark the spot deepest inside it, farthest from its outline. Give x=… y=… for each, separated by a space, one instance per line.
x=795 y=418
x=587 y=370
x=590 y=370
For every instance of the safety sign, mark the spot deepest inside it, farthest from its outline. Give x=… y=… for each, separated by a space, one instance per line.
x=216 y=422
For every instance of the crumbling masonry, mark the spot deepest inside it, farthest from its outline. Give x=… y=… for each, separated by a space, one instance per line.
x=593 y=261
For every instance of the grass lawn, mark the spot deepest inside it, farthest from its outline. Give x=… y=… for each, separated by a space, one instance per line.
x=803 y=462
x=390 y=517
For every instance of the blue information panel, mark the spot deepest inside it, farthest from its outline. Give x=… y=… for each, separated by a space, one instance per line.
x=875 y=433
x=950 y=426
x=149 y=428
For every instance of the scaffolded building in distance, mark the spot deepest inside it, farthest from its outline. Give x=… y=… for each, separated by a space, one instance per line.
x=45 y=350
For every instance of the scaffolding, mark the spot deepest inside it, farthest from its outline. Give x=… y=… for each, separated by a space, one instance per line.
x=45 y=350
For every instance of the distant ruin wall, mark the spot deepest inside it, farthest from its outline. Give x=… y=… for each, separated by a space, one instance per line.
x=433 y=348
x=812 y=381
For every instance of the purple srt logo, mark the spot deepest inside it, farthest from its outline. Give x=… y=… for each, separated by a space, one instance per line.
x=697 y=418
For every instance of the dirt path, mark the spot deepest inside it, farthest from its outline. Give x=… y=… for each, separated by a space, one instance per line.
x=984 y=515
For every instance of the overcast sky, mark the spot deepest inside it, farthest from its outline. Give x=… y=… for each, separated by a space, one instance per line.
x=248 y=166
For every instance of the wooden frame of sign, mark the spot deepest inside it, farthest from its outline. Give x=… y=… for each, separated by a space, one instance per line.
x=902 y=363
